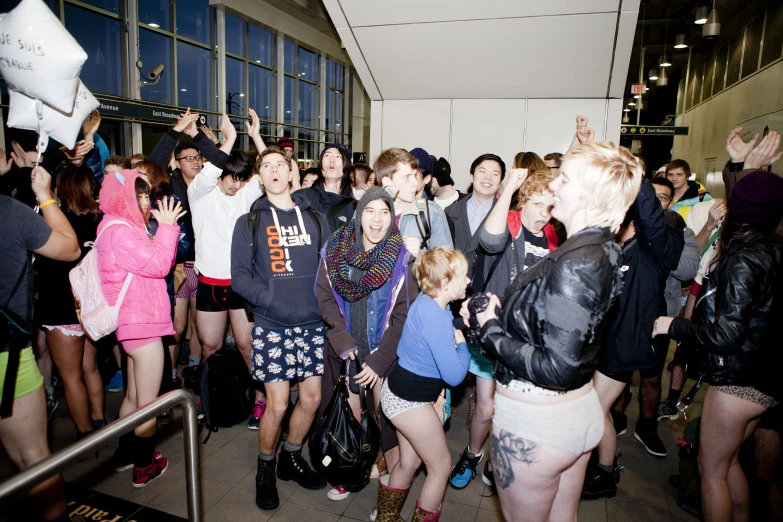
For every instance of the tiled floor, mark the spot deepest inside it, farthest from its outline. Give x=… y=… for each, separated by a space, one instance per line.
x=228 y=479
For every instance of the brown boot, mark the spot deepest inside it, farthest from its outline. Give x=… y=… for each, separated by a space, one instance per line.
x=422 y=515
x=390 y=501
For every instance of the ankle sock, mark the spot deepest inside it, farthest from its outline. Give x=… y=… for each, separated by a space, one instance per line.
x=265 y=457
x=194 y=360
x=674 y=396
x=474 y=455
x=145 y=448
x=291 y=448
x=608 y=469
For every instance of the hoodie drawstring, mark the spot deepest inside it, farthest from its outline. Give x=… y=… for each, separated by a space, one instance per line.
x=298 y=215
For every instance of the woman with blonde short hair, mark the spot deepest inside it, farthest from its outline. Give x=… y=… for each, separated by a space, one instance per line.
x=546 y=341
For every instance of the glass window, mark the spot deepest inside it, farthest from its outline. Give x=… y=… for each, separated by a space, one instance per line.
x=261 y=45
x=339 y=77
x=338 y=113
x=52 y=5
x=696 y=80
x=194 y=71
x=261 y=95
x=99 y=35
x=330 y=73
x=108 y=5
x=329 y=108
x=773 y=36
x=235 y=35
x=155 y=13
x=155 y=49
x=735 y=58
x=235 y=87
x=750 y=59
x=308 y=105
x=720 y=69
x=308 y=65
x=288 y=98
x=289 y=57
x=194 y=20
x=708 y=77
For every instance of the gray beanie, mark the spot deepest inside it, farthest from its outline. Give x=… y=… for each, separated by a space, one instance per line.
x=371 y=194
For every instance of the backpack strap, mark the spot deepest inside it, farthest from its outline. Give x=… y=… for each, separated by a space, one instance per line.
x=128 y=277
x=253 y=227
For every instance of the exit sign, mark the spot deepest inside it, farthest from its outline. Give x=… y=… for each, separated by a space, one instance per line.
x=637 y=89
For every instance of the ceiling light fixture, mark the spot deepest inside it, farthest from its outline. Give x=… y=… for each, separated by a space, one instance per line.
x=681 y=42
x=626 y=119
x=626 y=110
x=153 y=24
x=631 y=104
x=653 y=74
x=702 y=13
x=663 y=79
x=637 y=97
x=712 y=28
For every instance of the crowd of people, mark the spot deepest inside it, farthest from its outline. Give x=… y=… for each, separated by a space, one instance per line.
x=550 y=283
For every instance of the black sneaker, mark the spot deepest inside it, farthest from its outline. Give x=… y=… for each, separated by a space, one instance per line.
x=651 y=442
x=166 y=417
x=488 y=477
x=620 y=422
x=465 y=469
x=266 y=489
x=598 y=483
x=98 y=423
x=292 y=466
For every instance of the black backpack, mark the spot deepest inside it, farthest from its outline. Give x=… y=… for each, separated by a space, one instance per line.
x=225 y=390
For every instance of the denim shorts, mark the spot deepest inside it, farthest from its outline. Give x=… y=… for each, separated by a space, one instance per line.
x=289 y=354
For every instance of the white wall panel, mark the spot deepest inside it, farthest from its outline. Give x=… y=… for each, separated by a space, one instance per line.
x=551 y=123
x=386 y=12
x=484 y=126
x=614 y=119
x=622 y=52
x=376 y=129
x=416 y=123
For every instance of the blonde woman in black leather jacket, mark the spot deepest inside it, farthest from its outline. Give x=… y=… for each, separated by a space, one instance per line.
x=546 y=340
x=734 y=326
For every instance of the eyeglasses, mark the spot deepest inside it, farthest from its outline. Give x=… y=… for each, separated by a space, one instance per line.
x=190 y=159
x=550 y=168
x=664 y=198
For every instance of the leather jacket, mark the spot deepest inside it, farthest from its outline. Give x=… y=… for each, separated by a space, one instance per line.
x=552 y=324
x=734 y=318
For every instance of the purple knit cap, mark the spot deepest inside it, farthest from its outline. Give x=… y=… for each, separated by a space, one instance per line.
x=757 y=198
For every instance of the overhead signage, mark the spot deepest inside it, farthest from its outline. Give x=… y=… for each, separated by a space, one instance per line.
x=637 y=89
x=125 y=109
x=653 y=130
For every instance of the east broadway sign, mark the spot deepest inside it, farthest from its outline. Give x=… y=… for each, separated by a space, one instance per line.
x=655 y=130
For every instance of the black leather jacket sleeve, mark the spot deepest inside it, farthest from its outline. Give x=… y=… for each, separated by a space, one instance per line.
x=655 y=236
x=746 y=280
x=567 y=309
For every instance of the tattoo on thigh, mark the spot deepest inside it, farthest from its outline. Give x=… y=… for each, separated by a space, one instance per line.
x=506 y=448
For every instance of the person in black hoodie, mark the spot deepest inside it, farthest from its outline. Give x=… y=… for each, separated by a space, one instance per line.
x=650 y=250
x=275 y=271
x=332 y=192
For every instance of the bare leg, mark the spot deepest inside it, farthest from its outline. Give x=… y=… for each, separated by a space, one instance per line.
x=608 y=390
x=566 y=504
x=243 y=335
x=92 y=380
x=726 y=421
x=145 y=369
x=180 y=324
x=421 y=436
x=67 y=352
x=304 y=411
x=678 y=377
x=649 y=396
x=482 y=416
x=43 y=357
x=276 y=405
x=24 y=438
x=211 y=329
x=193 y=341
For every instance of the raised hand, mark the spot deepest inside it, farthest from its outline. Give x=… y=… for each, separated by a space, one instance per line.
x=585 y=134
x=20 y=156
x=253 y=126
x=76 y=155
x=91 y=124
x=582 y=121
x=5 y=162
x=515 y=179
x=40 y=183
x=207 y=131
x=738 y=150
x=227 y=128
x=185 y=120
x=766 y=153
x=717 y=212
x=169 y=211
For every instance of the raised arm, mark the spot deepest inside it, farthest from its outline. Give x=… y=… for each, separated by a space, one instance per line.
x=168 y=142
x=204 y=182
x=665 y=243
x=254 y=131
x=63 y=245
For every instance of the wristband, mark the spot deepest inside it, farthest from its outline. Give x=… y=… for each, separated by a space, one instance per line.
x=736 y=167
x=42 y=205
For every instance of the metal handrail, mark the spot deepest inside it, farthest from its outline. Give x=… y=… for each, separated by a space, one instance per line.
x=13 y=488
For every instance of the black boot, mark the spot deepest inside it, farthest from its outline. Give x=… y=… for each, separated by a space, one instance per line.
x=598 y=483
x=266 y=488
x=646 y=432
x=292 y=466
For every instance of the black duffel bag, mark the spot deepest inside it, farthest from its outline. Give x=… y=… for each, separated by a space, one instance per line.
x=343 y=449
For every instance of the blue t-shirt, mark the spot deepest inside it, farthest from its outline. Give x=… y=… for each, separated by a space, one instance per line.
x=427 y=346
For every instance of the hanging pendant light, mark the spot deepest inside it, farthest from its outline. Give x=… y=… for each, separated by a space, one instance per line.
x=663 y=79
x=626 y=119
x=712 y=28
x=702 y=13
x=681 y=42
x=664 y=61
x=653 y=74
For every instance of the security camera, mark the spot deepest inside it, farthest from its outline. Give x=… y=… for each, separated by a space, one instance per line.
x=156 y=72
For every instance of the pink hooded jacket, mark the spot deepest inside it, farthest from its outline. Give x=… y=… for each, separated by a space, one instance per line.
x=146 y=311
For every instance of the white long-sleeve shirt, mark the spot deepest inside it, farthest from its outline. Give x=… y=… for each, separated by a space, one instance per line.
x=214 y=216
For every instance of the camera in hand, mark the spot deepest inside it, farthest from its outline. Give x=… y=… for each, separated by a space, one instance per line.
x=477 y=304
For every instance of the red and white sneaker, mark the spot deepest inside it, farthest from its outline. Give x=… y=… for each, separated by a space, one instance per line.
x=143 y=476
x=338 y=493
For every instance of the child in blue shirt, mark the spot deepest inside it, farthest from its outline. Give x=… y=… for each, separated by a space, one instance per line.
x=430 y=353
